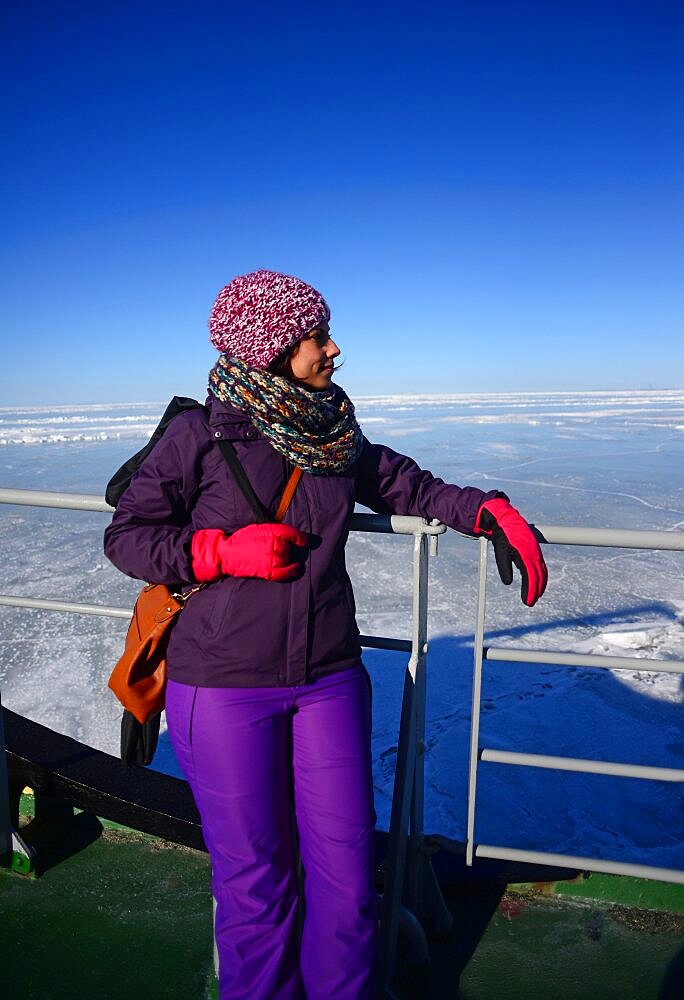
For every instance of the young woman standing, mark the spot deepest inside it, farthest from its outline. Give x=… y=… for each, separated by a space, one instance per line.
x=267 y=698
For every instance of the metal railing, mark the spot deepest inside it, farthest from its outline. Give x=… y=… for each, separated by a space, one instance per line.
x=409 y=877
x=610 y=538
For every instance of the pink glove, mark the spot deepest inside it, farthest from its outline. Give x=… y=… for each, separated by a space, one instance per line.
x=514 y=542
x=268 y=551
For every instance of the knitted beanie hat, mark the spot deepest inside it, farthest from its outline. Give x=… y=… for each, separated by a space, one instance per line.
x=257 y=316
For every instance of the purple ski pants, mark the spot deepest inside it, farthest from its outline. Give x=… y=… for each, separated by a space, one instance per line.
x=242 y=750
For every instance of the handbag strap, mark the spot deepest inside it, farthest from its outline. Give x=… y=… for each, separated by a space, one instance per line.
x=261 y=514
x=288 y=493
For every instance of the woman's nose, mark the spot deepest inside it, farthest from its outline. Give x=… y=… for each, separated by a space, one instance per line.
x=332 y=350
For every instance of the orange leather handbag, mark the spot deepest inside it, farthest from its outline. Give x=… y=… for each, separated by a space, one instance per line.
x=139 y=678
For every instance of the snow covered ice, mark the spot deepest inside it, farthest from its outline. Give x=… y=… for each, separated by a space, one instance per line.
x=599 y=459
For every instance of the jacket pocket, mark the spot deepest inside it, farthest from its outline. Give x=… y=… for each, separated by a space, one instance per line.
x=214 y=611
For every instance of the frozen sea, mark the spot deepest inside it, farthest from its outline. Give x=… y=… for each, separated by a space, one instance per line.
x=603 y=459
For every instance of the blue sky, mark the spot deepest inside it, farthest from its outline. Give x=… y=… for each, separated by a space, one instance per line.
x=488 y=195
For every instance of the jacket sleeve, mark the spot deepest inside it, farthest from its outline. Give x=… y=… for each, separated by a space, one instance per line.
x=150 y=533
x=390 y=483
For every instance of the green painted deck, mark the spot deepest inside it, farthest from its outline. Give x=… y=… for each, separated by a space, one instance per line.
x=546 y=947
x=130 y=916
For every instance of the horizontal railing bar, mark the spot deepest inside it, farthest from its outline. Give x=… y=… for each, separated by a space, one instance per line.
x=581 y=764
x=621 y=538
x=45 y=498
x=584 y=864
x=383 y=642
x=605 y=662
x=37 y=603
x=397 y=524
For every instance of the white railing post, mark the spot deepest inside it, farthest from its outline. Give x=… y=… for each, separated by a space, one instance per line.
x=406 y=847
x=407 y=810
x=418 y=670
x=476 y=699
x=395 y=863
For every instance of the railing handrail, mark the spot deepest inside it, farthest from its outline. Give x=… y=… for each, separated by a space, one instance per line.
x=618 y=538
x=50 y=498
x=397 y=524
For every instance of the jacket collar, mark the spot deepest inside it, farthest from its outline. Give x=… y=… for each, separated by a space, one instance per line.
x=226 y=421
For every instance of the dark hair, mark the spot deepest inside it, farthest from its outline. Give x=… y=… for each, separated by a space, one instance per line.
x=282 y=364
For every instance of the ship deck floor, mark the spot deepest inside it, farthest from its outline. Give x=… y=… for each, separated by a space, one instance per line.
x=130 y=916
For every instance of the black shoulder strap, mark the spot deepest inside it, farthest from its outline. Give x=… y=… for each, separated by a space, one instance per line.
x=235 y=465
x=122 y=477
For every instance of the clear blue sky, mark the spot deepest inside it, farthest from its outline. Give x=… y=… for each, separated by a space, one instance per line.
x=488 y=194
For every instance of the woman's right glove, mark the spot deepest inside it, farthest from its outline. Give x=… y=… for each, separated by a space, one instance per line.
x=267 y=551
x=514 y=542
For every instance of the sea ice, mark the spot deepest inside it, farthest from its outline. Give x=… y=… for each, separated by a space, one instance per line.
x=612 y=459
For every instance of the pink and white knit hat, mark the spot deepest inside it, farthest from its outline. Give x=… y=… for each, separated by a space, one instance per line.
x=257 y=316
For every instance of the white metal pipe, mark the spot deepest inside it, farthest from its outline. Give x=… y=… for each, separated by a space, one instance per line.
x=398 y=830
x=407 y=524
x=397 y=523
x=419 y=641
x=583 y=864
x=620 y=538
x=476 y=699
x=45 y=498
x=36 y=603
x=408 y=791
x=517 y=655
x=611 y=537
x=105 y=611
x=584 y=765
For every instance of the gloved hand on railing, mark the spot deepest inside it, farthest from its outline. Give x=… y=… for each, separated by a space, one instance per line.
x=514 y=542
x=267 y=551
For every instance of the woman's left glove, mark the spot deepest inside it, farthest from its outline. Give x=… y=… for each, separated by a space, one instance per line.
x=513 y=542
x=268 y=551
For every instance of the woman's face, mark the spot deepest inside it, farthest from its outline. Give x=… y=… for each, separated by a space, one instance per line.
x=311 y=360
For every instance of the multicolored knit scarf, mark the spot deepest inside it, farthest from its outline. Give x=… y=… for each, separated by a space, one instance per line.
x=315 y=430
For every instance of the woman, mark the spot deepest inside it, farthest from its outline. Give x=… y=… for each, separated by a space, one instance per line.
x=267 y=699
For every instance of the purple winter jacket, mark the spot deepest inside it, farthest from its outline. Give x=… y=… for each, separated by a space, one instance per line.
x=243 y=632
